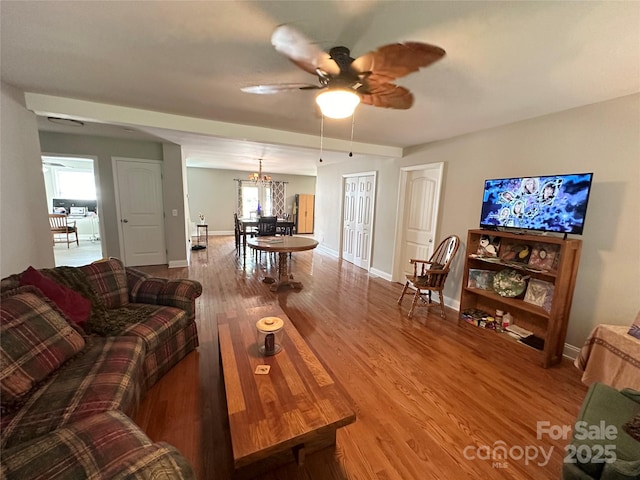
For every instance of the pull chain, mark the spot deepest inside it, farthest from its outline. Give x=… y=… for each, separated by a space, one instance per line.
x=321 y=136
x=353 y=124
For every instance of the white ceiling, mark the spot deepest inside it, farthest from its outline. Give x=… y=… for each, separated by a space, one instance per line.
x=173 y=70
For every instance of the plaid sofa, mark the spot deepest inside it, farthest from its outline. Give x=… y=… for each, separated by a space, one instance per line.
x=107 y=445
x=66 y=395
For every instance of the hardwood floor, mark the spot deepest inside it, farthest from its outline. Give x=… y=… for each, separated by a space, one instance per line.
x=432 y=399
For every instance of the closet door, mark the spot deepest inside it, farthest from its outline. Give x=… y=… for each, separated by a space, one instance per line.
x=358 y=203
x=363 y=217
x=349 y=222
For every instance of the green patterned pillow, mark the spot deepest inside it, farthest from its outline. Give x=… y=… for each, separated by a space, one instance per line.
x=35 y=340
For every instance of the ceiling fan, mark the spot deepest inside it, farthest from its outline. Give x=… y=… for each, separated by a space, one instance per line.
x=367 y=79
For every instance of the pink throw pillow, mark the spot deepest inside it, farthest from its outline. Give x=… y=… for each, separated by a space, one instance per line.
x=76 y=307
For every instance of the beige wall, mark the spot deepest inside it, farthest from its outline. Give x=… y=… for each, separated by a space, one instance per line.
x=603 y=138
x=178 y=246
x=214 y=193
x=25 y=237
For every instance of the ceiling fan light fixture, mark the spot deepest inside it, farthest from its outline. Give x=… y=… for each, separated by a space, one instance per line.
x=338 y=102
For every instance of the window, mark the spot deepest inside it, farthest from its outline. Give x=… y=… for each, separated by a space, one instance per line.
x=251 y=195
x=249 y=200
x=69 y=177
x=272 y=197
x=75 y=184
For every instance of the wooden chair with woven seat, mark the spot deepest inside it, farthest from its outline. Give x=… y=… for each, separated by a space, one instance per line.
x=430 y=275
x=62 y=230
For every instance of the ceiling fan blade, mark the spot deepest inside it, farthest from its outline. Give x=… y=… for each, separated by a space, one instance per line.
x=396 y=60
x=278 y=87
x=300 y=50
x=386 y=95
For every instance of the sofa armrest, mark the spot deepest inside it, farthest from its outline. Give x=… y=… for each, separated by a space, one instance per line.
x=180 y=293
x=104 y=445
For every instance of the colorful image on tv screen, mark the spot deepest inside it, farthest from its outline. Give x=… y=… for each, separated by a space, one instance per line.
x=554 y=203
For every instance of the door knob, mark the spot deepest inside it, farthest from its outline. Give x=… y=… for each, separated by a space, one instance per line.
x=124 y=220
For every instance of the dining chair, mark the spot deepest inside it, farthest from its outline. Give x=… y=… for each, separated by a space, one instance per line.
x=267 y=226
x=430 y=275
x=62 y=229
x=237 y=229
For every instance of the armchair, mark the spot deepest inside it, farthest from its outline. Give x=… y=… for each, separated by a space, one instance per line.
x=430 y=275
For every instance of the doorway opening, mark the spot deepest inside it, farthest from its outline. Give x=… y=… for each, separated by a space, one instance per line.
x=71 y=189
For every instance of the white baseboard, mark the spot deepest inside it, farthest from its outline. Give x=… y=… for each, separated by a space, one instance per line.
x=217 y=232
x=452 y=303
x=327 y=250
x=379 y=273
x=570 y=351
x=178 y=263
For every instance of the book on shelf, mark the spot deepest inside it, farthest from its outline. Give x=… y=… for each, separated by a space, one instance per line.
x=533 y=341
x=482 y=279
x=479 y=318
x=539 y=293
x=519 y=331
x=544 y=256
x=474 y=313
x=515 y=252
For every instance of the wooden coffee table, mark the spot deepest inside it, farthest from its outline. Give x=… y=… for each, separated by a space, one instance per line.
x=280 y=417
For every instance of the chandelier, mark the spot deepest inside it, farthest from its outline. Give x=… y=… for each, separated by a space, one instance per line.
x=259 y=178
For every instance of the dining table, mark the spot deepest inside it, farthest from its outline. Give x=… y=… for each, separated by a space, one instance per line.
x=282 y=245
x=247 y=224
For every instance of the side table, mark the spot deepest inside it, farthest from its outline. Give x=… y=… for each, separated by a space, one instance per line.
x=199 y=228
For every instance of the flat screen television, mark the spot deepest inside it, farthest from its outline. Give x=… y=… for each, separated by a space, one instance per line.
x=555 y=203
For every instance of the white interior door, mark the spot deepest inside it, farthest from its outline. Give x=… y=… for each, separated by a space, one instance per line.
x=421 y=187
x=141 y=212
x=349 y=219
x=364 y=213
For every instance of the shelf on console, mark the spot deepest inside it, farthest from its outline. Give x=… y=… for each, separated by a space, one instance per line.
x=510 y=302
x=514 y=265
